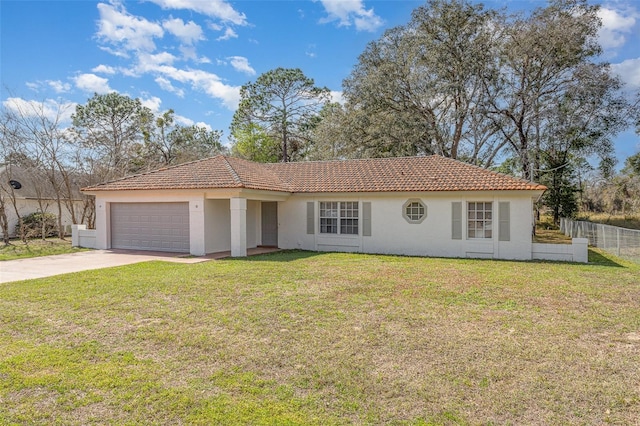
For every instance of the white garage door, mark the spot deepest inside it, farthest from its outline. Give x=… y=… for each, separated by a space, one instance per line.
x=150 y=226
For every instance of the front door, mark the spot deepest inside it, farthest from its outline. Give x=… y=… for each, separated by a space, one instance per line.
x=270 y=223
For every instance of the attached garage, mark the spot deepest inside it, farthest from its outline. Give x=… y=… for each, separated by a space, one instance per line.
x=150 y=226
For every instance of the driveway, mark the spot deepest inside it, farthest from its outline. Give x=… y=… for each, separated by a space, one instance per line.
x=46 y=266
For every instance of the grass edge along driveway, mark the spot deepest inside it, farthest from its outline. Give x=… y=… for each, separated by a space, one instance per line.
x=309 y=338
x=17 y=249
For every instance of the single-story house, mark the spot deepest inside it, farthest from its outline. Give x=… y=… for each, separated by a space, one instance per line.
x=21 y=190
x=426 y=206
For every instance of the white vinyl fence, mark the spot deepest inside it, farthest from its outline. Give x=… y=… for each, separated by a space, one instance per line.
x=622 y=242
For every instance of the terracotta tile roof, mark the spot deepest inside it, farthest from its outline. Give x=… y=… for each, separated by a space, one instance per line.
x=405 y=174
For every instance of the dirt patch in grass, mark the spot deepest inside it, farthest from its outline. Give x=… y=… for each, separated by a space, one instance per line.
x=18 y=249
x=304 y=338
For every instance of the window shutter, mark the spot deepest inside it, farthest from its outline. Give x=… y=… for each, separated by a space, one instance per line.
x=366 y=219
x=311 y=222
x=504 y=226
x=456 y=220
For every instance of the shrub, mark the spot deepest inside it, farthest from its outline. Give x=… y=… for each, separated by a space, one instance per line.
x=34 y=223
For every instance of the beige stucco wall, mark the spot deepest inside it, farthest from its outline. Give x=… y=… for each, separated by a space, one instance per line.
x=217 y=226
x=392 y=234
x=211 y=229
x=209 y=215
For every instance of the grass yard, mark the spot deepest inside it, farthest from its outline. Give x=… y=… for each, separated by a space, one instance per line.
x=306 y=338
x=17 y=249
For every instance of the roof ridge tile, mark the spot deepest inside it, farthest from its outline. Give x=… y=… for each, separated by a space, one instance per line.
x=233 y=172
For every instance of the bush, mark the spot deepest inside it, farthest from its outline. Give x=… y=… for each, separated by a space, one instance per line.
x=33 y=225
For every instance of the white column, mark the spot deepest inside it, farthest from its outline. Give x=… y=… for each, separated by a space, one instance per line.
x=238 y=227
x=103 y=225
x=196 y=226
x=75 y=234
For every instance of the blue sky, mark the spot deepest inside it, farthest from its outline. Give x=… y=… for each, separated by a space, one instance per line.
x=193 y=55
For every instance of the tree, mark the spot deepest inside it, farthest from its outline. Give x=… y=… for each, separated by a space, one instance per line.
x=282 y=101
x=167 y=143
x=417 y=89
x=110 y=129
x=632 y=164
x=36 y=141
x=332 y=136
x=253 y=143
x=545 y=57
x=479 y=86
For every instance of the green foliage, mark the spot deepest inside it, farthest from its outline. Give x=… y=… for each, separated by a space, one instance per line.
x=284 y=102
x=252 y=142
x=38 y=225
x=632 y=164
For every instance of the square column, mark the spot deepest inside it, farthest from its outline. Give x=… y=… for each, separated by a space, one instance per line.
x=238 y=227
x=196 y=227
x=103 y=224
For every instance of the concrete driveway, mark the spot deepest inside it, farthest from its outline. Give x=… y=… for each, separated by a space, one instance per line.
x=47 y=266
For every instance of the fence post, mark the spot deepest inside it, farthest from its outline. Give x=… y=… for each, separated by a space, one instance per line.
x=617 y=242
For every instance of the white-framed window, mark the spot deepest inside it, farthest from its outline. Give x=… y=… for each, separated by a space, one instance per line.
x=479 y=219
x=339 y=217
x=414 y=211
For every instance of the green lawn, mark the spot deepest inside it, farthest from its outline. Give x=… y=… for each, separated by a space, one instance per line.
x=305 y=338
x=17 y=249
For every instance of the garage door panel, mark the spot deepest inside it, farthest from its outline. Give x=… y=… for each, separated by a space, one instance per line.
x=150 y=226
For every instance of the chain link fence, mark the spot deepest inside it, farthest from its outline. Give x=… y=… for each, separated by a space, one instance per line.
x=622 y=242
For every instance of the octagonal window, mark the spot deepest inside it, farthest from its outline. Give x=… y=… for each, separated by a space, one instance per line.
x=414 y=211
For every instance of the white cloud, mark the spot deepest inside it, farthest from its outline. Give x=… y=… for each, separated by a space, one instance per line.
x=104 y=69
x=165 y=84
x=153 y=103
x=629 y=71
x=58 y=86
x=240 y=63
x=616 y=24
x=114 y=52
x=126 y=31
x=311 y=51
x=189 y=52
x=219 y=9
x=204 y=126
x=202 y=80
x=91 y=83
x=336 y=96
x=213 y=26
x=188 y=33
x=149 y=62
x=33 y=86
x=228 y=34
x=182 y=120
x=49 y=108
x=351 y=12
